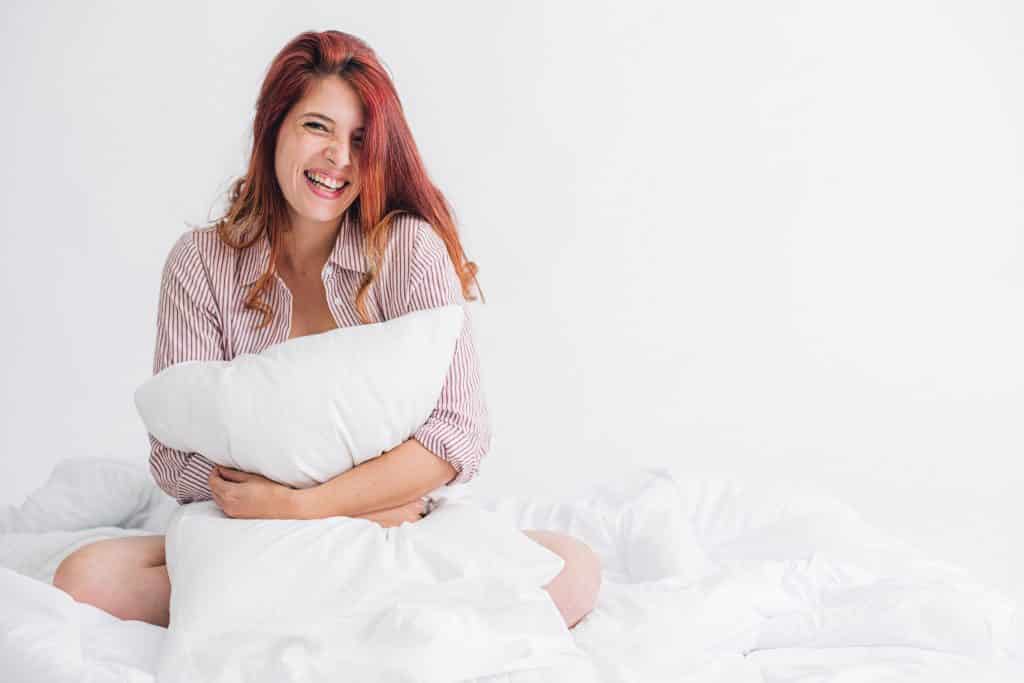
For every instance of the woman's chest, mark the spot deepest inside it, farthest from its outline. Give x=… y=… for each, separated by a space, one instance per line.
x=310 y=311
x=297 y=309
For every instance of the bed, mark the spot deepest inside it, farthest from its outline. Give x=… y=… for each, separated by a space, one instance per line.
x=706 y=578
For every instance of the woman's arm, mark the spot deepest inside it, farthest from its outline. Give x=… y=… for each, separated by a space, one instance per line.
x=247 y=495
x=187 y=328
x=390 y=480
x=449 y=446
x=458 y=430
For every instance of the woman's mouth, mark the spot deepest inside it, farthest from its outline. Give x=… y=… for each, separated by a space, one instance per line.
x=321 y=190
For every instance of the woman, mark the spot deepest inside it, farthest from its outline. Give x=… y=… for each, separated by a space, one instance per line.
x=334 y=224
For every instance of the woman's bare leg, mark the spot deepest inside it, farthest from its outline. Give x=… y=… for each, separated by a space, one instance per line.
x=126 y=577
x=574 y=590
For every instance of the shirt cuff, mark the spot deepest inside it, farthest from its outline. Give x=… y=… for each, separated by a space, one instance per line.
x=194 y=480
x=460 y=449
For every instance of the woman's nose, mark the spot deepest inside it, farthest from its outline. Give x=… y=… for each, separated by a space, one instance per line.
x=338 y=154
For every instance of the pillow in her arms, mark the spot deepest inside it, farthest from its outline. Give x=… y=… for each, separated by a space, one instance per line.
x=307 y=409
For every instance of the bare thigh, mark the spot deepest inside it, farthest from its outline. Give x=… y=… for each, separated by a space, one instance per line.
x=126 y=577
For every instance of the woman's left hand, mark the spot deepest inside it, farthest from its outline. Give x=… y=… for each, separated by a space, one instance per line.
x=245 y=495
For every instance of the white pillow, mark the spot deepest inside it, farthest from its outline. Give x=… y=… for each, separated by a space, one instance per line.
x=305 y=410
x=454 y=596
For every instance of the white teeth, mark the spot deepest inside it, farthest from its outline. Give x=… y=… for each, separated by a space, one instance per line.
x=329 y=184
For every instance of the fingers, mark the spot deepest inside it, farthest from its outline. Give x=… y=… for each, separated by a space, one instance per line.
x=214 y=480
x=413 y=512
x=410 y=512
x=230 y=474
x=217 y=488
x=218 y=480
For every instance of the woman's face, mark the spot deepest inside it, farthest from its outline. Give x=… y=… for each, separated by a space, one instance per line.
x=322 y=134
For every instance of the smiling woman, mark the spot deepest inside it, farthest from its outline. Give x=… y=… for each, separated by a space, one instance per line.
x=335 y=223
x=326 y=179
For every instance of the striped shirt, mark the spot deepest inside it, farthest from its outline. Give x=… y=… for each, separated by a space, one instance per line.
x=201 y=316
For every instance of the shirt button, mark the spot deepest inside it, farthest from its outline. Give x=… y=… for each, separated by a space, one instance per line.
x=338 y=300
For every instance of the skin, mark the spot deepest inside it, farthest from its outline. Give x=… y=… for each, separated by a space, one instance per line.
x=305 y=141
x=127 y=577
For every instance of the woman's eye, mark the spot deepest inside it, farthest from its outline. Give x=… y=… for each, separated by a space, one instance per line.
x=356 y=141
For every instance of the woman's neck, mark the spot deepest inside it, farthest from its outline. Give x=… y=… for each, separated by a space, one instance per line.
x=305 y=249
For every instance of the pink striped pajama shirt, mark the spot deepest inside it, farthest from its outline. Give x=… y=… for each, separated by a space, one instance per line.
x=201 y=316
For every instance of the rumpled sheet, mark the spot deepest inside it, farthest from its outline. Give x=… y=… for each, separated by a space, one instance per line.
x=708 y=579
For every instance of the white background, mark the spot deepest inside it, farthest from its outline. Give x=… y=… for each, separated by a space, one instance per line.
x=779 y=239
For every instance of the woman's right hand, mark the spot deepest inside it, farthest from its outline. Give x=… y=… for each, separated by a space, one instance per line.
x=410 y=512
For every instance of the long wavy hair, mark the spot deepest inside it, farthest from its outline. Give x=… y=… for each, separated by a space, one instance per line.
x=393 y=178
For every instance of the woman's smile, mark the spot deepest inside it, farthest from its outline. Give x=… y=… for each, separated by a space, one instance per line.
x=321 y=189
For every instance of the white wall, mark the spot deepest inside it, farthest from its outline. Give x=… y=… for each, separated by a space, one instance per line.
x=776 y=238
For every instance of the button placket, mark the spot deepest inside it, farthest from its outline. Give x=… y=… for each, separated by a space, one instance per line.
x=330 y=290
x=286 y=294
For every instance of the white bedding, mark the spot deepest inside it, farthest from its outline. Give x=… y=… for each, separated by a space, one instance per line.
x=706 y=579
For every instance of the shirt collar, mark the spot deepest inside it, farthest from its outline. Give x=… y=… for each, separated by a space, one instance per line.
x=346 y=253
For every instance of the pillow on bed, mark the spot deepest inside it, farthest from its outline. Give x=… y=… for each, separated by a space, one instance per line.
x=455 y=596
x=305 y=410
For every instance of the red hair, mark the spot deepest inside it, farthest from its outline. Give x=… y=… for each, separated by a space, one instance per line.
x=393 y=179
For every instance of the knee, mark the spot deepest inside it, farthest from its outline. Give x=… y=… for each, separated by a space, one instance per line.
x=575 y=590
x=82 y=575
x=585 y=569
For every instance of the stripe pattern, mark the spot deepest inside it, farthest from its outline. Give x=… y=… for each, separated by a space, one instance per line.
x=201 y=316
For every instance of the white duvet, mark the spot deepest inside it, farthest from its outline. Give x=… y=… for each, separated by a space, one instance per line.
x=706 y=579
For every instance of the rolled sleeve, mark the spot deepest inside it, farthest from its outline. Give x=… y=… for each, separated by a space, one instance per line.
x=188 y=328
x=458 y=430
x=183 y=476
